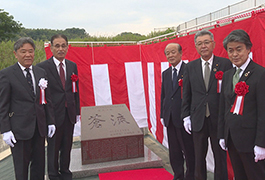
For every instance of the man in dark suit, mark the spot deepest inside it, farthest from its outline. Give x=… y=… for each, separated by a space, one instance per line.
x=65 y=97
x=24 y=113
x=200 y=104
x=180 y=142
x=241 y=127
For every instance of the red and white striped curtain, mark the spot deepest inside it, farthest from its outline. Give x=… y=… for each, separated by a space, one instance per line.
x=131 y=75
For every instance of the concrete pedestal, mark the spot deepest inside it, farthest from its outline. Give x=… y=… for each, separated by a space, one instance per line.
x=149 y=160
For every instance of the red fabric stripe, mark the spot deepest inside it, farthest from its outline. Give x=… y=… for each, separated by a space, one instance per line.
x=118 y=84
x=159 y=129
x=146 y=89
x=116 y=56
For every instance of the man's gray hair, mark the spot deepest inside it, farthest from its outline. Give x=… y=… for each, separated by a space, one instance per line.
x=238 y=35
x=202 y=33
x=21 y=41
x=179 y=47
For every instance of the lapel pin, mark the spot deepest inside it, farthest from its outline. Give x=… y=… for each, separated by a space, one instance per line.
x=214 y=69
x=247 y=74
x=11 y=114
x=216 y=65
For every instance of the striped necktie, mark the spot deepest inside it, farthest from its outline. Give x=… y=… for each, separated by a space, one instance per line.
x=175 y=78
x=29 y=80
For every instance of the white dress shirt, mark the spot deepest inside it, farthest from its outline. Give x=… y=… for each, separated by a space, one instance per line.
x=177 y=67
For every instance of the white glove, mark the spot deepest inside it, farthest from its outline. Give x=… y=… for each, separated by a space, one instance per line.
x=222 y=144
x=9 y=138
x=51 y=130
x=78 y=118
x=187 y=124
x=259 y=153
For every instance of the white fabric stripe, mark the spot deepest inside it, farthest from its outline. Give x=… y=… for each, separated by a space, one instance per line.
x=164 y=66
x=101 y=84
x=135 y=86
x=152 y=100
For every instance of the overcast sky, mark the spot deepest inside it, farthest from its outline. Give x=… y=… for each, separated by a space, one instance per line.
x=109 y=17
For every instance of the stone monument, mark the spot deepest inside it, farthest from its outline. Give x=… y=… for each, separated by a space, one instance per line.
x=109 y=133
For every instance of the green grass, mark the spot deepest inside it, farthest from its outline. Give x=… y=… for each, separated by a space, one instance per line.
x=7 y=57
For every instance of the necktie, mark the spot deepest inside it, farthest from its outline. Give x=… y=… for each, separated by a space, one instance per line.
x=206 y=74
x=206 y=82
x=29 y=79
x=175 y=78
x=62 y=75
x=236 y=77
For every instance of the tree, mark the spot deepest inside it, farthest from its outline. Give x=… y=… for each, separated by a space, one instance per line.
x=128 y=36
x=46 y=34
x=8 y=26
x=73 y=33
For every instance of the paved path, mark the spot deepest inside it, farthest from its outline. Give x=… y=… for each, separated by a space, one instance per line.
x=7 y=171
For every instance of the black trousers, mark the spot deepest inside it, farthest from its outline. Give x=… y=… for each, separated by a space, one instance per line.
x=59 y=151
x=180 y=149
x=200 y=140
x=244 y=165
x=29 y=152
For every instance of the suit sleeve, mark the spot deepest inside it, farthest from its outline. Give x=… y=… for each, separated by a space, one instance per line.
x=186 y=96
x=162 y=96
x=260 y=136
x=77 y=98
x=49 y=106
x=221 y=122
x=4 y=103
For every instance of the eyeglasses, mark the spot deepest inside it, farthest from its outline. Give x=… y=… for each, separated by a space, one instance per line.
x=57 y=46
x=206 y=43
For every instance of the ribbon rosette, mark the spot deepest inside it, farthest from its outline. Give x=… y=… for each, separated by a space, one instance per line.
x=241 y=89
x=43 y=84
x=181 y=86
x=219 y=77
x=74 y=78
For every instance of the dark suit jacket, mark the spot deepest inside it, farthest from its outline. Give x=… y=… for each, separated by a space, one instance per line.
x=59 y=95
x=195 y=96
x=171 y=98
x=20 y=111
x=246 y=130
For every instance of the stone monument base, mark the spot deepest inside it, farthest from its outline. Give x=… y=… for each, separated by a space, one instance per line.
x=149 y=160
